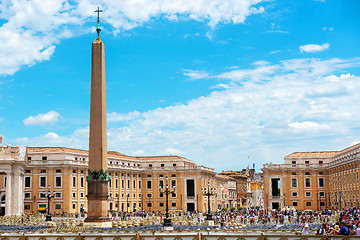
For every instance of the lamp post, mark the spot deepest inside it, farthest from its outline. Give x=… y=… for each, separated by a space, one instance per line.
x=48 y=216
x=127 y=202
x=209 y=192
x=167 y=220
x=149 y=196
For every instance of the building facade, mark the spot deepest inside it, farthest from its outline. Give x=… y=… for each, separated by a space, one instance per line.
x=241 y=186
x=314 y=180
x=133 y=186
x=226 y=192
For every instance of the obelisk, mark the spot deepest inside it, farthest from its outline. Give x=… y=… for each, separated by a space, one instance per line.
x=97 y=173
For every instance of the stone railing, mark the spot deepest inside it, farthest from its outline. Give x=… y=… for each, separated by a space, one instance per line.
x=169 y=235
x=278 y=166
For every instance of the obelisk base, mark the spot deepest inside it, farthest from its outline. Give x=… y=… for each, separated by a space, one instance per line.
x=98 y=203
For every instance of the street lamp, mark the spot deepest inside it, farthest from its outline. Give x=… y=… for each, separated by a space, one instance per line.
x=48 y=216
x=127 y=202
x=209 y=192
x=167 y=220
x=149 y=205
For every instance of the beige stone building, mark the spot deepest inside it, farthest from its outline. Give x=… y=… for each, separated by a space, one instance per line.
x=314 y=180
x=226 y=192
x=241 y=186
x=134 y=181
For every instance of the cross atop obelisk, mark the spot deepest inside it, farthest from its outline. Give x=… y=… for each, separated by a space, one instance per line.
x=98 y=29
x=97 y=173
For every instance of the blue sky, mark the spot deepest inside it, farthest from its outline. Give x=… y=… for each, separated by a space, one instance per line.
x=226 y=84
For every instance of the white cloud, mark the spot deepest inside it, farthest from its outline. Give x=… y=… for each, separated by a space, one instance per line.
x=195 y=74
x=328 y=29
x=307 y=126
x=33 y=28
x=49 y=118
x=311 y=48
x=172 y=151
x=267 y=113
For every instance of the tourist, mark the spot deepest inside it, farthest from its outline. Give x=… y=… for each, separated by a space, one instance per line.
x=335 y=231
x=304 y=227
x=358 y=229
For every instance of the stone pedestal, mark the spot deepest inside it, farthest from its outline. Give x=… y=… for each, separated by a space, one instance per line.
x=97 y=201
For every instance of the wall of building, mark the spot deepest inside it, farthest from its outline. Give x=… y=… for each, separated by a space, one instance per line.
x=315 y=180
x=69 y=168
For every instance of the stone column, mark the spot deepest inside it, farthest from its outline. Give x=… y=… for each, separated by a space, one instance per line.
x=98 y=185
x=8 y=198
x=17 y=198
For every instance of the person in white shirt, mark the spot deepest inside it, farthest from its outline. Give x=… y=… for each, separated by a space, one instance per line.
x=304 y=227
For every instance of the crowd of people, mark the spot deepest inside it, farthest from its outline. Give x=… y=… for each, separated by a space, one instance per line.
x=334 y=222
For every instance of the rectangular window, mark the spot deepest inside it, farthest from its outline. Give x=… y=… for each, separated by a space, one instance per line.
x=190 y=188
x=74 y=182
x=293 y=162
x=116 y=183
x=128 y=183
x=148 y=184
x=161 y=204
x=58 y=182
x=294 y=183
x=58 y=170
x=162 y=165
x=82 y=182
x=4 y=182
x=322 y=194
x=134 y=183
x=161 y=195
x=58 y=195
x=44 y=158
x=42 y=171
x=307 y=163
x=42 y=195
x=173 y=204
x=74 y=195
x=173 y=183
x=27 y=195
x=307 y=182
x=322 y=204
x=122 y=183
x=27 y=207
x=139 y=184
x=294 y=194
x=42 y=182
x=294 y=204
x=307 y=194
x=173 y=195
x=149 y=195
x=308 y=204
x=74 y=205
x=58 y=206
x=161 y=183
x=82 y=195
x=174 y=164
x=150 y=165
x=149 y=204
x=321 y=182
x=110 y=183
x=27 y=182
